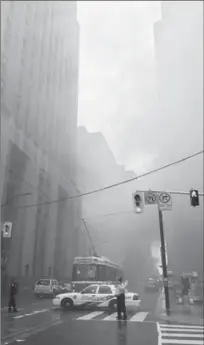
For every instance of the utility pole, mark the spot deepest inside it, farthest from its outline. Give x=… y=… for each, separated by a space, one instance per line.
x=164 y=264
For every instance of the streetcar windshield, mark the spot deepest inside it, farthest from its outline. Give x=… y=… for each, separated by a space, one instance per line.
x=84 y=272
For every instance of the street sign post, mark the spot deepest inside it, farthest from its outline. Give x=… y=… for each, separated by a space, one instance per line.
x=165 y=201
x=164 y=261
x=150 y=198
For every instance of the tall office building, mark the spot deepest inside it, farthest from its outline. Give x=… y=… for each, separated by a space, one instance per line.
x=39 y=97
x=179 y=57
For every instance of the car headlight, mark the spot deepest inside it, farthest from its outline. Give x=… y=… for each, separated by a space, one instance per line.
x=57 y=297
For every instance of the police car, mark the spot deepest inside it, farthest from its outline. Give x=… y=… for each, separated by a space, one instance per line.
x=95 y=295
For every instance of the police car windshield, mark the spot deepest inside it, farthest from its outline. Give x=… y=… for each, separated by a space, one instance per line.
x=44 y=282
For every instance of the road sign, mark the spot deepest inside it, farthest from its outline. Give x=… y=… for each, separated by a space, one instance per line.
x=165 y=201
x=150 y=197
x=7 y=227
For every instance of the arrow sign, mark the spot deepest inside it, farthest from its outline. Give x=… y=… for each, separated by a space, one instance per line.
x=165 y=201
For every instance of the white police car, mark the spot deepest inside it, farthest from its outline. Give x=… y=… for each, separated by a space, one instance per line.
x=100 y=296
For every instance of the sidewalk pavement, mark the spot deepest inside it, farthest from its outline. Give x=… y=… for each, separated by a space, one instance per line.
x=190 y=314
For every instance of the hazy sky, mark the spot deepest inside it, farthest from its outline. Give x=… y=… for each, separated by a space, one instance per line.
x=117 y=75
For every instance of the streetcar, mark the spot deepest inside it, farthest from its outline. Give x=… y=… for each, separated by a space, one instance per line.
x=94 y=270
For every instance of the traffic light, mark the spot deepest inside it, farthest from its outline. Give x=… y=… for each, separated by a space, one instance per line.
x=138 y=202
x=194 y=197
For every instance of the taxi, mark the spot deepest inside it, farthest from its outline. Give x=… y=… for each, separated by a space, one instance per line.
x=100 y=296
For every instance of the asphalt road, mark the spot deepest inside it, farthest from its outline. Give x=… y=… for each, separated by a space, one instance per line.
x=40 y=322
x=54 y=326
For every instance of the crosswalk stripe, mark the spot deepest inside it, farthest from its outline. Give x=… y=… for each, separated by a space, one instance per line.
x=111 y=317
x=182 y=335
x=182 y=342
x=141 y=316
x=181 y=326
x=187 y=330
x=90 y=315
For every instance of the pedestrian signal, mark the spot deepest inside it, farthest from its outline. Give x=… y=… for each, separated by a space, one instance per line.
x=194 y=197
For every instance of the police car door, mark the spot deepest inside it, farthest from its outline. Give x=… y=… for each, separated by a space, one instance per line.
x=105 y=294
x=89 y=294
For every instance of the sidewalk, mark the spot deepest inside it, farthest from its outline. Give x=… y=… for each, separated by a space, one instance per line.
x=190 y=314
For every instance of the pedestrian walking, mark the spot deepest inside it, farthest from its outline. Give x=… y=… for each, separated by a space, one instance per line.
x=120 y=293
x=12 y=296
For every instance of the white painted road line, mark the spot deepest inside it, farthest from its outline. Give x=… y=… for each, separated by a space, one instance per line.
x=90 y=315
x=181 y=326
x=139 y=317
x=111 y=317
x=182 y=335
x=159 y=334
x=183 y=330
x=182 y=342
x=18 y=317
x=30 y=314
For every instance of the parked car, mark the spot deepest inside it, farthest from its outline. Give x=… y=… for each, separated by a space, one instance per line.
x=47 y=288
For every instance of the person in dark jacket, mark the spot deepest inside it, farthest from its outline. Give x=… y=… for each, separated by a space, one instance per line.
x=12 y=296
x=120 y=293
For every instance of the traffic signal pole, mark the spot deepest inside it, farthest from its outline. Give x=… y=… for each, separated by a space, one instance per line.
x=164 y=203
x=164 y=264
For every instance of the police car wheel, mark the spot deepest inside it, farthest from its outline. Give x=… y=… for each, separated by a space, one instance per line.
x=112 y=305
x=67 y=303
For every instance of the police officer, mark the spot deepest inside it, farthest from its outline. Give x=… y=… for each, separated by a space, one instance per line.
x=13 y=293
x=120 y=293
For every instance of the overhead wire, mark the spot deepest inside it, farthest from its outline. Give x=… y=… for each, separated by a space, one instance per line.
x=116 y=184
